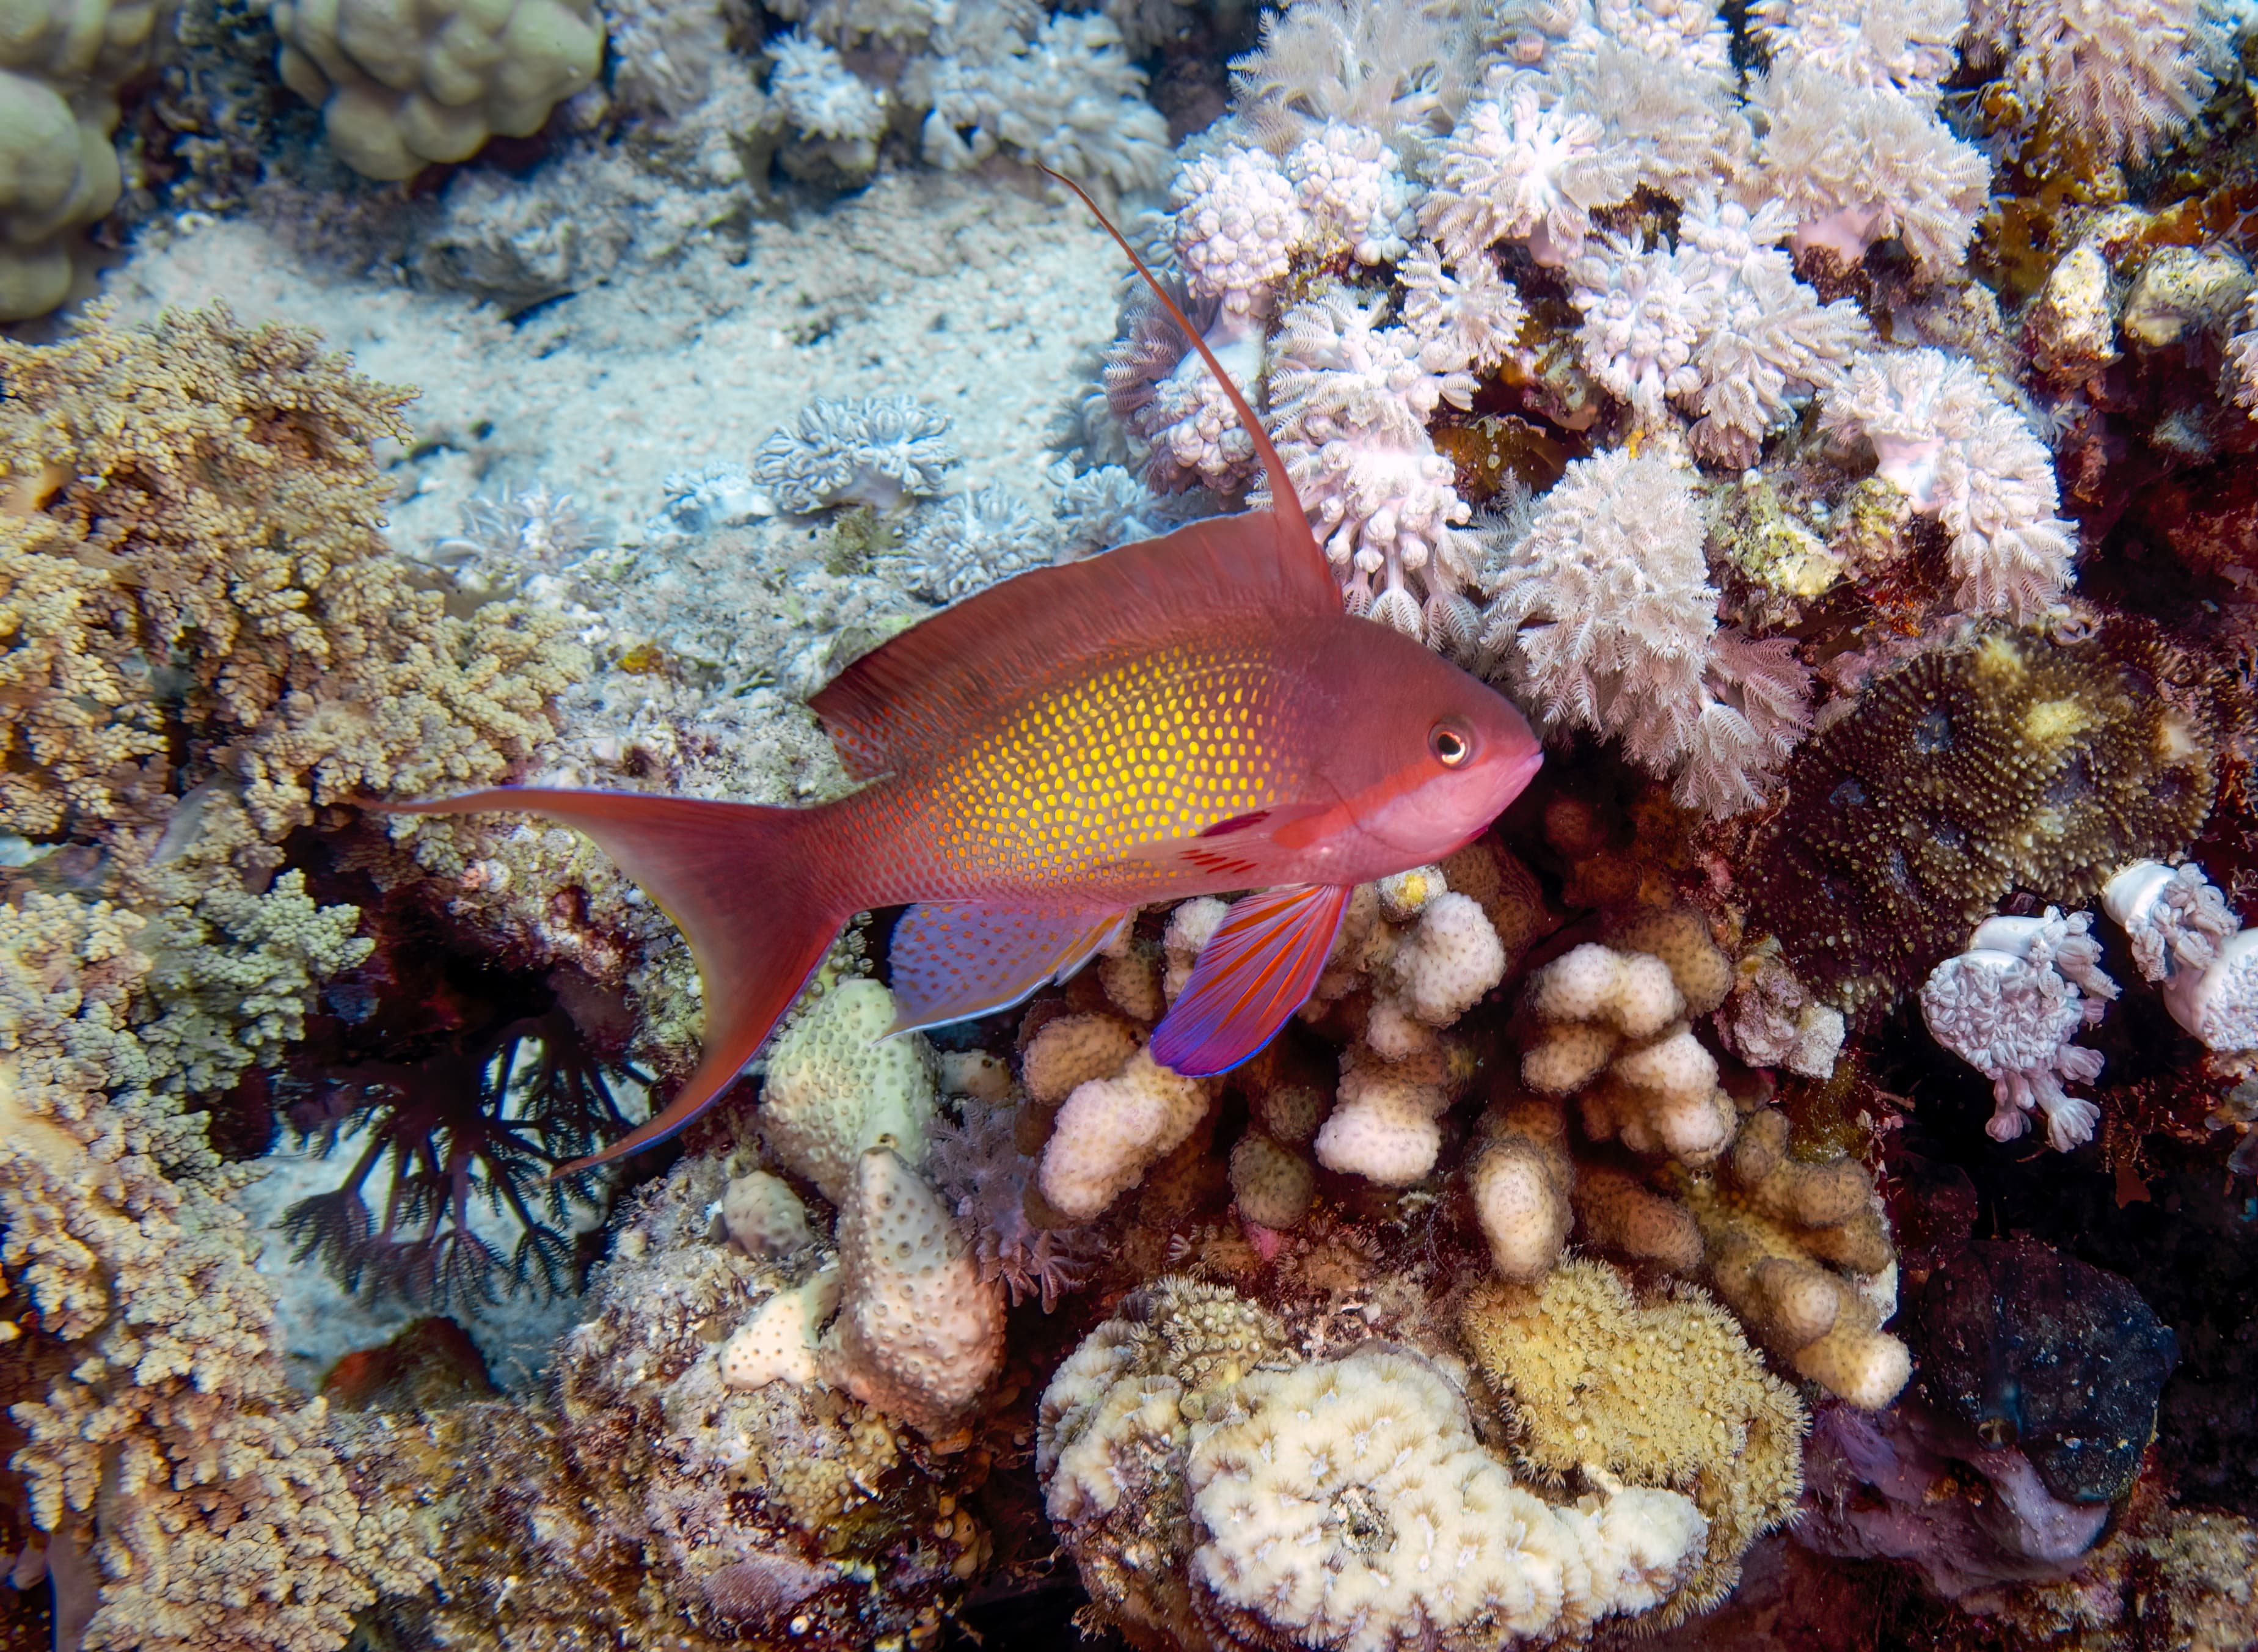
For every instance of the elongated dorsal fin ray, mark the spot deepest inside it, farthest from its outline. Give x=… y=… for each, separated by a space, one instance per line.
x=1295 y=538
x=909 y=704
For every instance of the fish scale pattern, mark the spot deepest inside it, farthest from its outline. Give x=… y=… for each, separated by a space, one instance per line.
x=1143 y=752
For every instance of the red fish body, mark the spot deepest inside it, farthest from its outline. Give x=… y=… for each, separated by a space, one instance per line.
x=1193 y=714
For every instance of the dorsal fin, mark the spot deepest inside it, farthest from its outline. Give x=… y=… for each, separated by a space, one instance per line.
x=907 y=703
x=1295 y=539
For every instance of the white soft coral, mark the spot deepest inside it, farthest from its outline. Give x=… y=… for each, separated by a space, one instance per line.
x=1718 y=323
x=1907 y=46
x=2123 y=74
x=2009 y=1005
x=1236 y=224
x=1352 y=398
x=1516 y=170
x=1960 y=454
x=1605 y=619
x=2184 y=935
x=1349 y=183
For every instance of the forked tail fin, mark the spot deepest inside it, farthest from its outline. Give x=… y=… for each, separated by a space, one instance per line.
x=737 y=879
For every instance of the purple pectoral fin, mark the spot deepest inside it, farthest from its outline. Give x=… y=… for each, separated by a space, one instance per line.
x=955 y=960
x=1259 y=969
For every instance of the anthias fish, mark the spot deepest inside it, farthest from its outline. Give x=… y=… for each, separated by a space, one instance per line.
x=1188 y=715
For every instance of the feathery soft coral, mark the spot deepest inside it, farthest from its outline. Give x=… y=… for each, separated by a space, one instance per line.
x=1604 y=619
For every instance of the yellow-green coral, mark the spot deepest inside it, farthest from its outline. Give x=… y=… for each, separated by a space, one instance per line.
x=167 y=1439
x=191 y=515
x=1666 y=1393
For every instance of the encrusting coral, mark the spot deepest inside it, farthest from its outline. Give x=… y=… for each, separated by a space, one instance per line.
x=1662 y=1393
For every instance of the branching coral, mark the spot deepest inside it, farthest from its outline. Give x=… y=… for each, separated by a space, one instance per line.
x=1960 y=454
x=194 y=510
x=168 y=1438
x=1604 y=620
x=875 y=451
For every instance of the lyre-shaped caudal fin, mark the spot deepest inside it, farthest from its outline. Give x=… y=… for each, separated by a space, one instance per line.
x=740 y=883
x=1294 y=535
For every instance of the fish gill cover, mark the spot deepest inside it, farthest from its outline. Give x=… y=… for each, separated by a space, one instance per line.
x=1813 y=1126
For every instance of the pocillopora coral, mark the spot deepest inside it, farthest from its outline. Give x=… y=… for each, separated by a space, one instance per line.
x=62 y=62
x=402 y=86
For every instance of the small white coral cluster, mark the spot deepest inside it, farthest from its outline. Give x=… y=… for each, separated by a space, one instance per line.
x=2009 y=1005
x=966 y=544
x=1954 y=447
x=873 y=450
x=1718 y=324
x=1342 y=1503
x=2186 y=937
x=1605 y=619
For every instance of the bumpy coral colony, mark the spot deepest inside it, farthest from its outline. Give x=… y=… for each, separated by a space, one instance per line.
x=1817 y=1123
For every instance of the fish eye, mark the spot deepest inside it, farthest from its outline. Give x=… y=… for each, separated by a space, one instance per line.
x=1451 y=747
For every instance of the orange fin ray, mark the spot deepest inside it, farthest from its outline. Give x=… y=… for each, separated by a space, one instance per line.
x=1258 y=968
x=736 y=880
x=955 y=960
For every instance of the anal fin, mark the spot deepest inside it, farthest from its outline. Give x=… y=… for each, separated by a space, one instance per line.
x=955 y=960
x=1258 y=969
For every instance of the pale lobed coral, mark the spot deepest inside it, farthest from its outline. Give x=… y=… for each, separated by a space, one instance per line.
x=1351 y=186
x=2009 y=1006
x=1110 y=1129
x=1718 y=323
x=1960 y=453
x=874 y=451
x=62 y=62
x=966 y=544
x=814 y=90
x=2184 y=935
x=400 y=87
x=836 y=1086
x=1855 y=164
x=920 y=1332
x=1235 y=220
x=763 y=1216
x=1347 y=1504
x=1910 y=46
x=1603 y=618
x=1514 y=168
